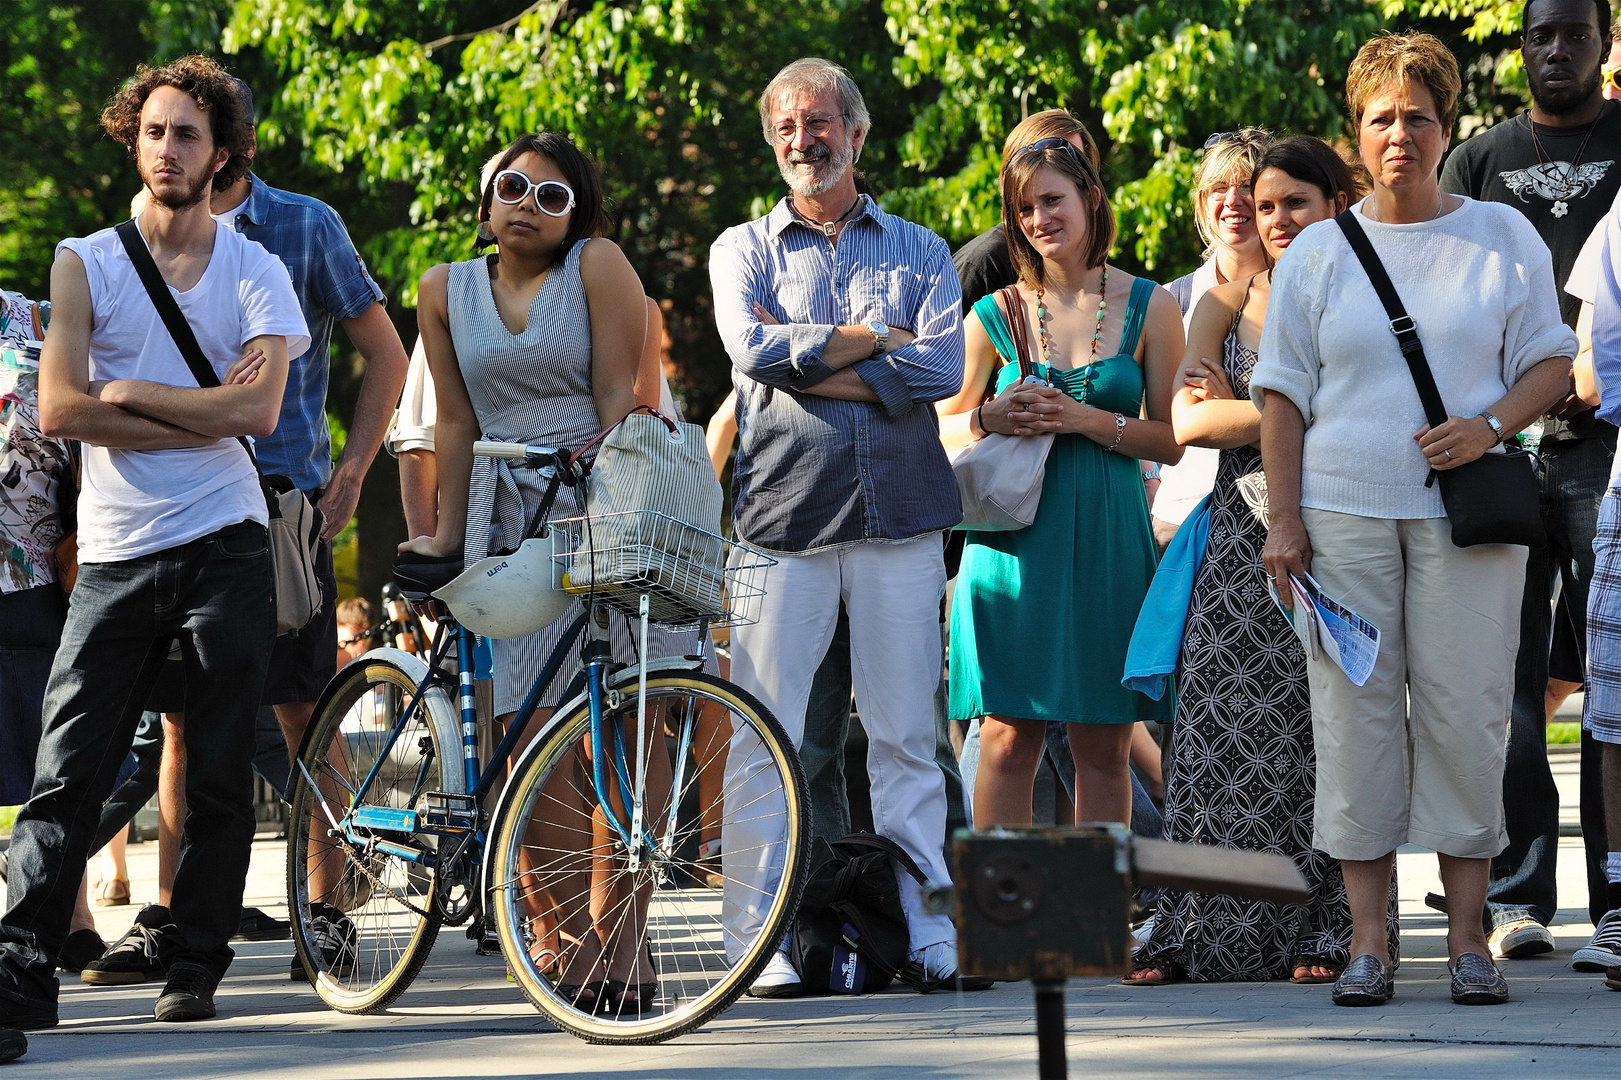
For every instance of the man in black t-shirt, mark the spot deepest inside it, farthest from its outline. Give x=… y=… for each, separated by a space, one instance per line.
x=1560 y=165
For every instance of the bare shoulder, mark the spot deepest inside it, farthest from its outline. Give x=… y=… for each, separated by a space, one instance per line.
x=601 y=258
x=1218 y=306
x=434 y=284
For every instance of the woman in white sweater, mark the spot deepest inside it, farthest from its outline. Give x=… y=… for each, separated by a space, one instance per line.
x=1416 y=754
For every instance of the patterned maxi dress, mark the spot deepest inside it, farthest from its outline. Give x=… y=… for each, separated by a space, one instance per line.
x=1241 y=769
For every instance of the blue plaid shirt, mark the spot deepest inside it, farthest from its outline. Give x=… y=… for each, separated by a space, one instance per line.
x=332 y=284
x=815 y=472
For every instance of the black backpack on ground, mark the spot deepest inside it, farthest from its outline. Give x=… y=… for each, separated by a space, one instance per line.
x=850 y=933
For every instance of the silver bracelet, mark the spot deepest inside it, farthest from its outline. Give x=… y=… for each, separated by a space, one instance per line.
x=1119 y=432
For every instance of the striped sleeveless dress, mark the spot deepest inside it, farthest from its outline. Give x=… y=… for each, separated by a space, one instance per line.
x=533 y=387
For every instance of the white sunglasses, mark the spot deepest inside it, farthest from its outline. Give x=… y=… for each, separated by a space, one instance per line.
x=553 y=197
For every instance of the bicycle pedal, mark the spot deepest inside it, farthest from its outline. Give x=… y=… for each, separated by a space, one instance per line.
x=441 y=811
x=486 y=941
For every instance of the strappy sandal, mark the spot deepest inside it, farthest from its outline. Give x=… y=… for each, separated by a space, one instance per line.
x=1306 y=963
x=1155 y=973
x=1476 y=981
x=620 y=997
x=1366 y=980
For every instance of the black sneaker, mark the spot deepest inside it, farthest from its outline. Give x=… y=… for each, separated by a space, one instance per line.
x=257 y=925
x=81 y=948
x=13 y=1044
x=133 y=957
x=188 y=994
x=335 y=940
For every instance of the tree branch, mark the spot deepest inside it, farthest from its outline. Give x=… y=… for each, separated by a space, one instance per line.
x=501 y=28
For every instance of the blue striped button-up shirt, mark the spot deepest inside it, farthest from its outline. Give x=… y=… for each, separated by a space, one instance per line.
x=815 y=472
x=332 y=284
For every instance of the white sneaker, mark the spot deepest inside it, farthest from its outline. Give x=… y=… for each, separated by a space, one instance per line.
x=777 y=979
x=1603 y=949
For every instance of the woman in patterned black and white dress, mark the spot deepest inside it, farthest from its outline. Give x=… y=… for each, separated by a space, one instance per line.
x=1240 y=768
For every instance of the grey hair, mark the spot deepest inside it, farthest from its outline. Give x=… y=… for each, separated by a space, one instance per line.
x=813 y=75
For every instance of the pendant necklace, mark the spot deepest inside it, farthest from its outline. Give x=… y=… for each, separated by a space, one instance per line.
x=829 y=229
x=1567 y=183
x=1042 y=315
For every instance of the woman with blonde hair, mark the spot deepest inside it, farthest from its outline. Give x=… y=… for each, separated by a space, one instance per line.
x=1415 y=754
x=1224 y=214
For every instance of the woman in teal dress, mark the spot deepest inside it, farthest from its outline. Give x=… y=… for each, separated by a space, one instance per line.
x=1042 y=616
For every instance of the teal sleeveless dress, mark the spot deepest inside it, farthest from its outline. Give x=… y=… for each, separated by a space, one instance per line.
x=1042 y=616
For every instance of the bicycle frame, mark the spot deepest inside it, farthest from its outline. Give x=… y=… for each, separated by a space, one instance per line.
x=478 y=784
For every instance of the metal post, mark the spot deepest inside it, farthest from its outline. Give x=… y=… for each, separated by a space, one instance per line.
x=1050 y=1030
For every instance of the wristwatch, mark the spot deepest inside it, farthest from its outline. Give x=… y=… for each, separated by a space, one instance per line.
x=880 y=336
x=1496 y=425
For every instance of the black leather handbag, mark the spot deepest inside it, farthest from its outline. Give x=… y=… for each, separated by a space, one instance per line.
x=1493 y=499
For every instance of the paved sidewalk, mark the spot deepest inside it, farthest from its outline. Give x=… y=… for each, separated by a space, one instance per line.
x=463 y=1019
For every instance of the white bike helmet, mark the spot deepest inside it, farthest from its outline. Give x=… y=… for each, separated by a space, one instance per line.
x=507 y=596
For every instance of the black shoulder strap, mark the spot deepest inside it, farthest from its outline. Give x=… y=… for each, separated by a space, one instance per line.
x=1401 y=324
x=169 y=311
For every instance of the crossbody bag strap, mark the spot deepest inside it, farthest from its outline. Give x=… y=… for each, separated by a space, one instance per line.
x=1401 y=324
x=169 y=311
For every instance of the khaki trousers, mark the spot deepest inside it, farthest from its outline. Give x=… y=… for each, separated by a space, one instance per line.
x=1416 y=755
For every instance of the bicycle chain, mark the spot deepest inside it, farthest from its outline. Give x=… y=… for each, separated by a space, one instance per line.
x=378 y=882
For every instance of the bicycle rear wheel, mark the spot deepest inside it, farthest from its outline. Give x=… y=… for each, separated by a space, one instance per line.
x=690 y=927
x=363 y=920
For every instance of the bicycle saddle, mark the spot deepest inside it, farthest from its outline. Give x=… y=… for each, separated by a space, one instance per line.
x=420 y=575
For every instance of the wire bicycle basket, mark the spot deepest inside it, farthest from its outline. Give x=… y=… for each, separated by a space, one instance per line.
x=688 y=574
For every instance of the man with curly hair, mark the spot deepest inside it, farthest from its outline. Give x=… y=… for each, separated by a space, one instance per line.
x=173 y=540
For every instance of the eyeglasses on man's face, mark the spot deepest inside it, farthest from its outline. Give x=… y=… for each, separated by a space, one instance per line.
x=817 y=127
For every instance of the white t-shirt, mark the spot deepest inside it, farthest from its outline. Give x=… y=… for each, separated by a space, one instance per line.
x=1182 y=485
x=135 y=502
x=1478 y=283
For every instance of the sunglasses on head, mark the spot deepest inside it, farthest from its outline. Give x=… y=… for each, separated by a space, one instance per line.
x=554 y=197
x=1041 y=145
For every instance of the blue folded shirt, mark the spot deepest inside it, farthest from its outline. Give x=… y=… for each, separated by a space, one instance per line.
x=1156 y=640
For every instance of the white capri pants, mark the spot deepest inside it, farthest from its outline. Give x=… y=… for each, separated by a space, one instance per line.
x=892 y=592
x=1416 y=755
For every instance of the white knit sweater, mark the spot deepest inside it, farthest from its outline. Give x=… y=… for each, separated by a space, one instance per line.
x=1478 y=283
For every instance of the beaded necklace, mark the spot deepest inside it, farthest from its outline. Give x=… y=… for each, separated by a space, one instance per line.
x=1097 y=333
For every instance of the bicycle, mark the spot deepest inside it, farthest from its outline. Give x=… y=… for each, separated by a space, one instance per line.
x=596 y=834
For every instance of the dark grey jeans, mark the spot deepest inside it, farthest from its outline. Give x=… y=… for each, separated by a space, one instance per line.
x=1573 y=476
x=217 y=597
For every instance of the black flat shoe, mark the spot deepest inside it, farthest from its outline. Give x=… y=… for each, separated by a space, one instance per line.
x=1366 y=981
x=1476 y=981
x=586 y=997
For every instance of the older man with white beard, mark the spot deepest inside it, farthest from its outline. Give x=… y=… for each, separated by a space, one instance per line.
x=844 y=326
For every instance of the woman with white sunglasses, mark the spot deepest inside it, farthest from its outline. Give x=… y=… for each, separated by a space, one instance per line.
x=539 y=343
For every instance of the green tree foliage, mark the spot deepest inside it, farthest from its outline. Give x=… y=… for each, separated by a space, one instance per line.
x=59 y=62
x=387 y=108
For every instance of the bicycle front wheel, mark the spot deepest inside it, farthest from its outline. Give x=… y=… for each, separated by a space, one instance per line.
x=363 y=919
x=637 y=944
